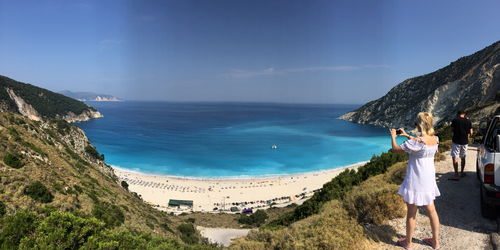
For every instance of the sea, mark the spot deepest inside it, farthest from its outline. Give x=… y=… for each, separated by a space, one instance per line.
x=219 y=140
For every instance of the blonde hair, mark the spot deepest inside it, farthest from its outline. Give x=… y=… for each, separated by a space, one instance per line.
x=425 y=123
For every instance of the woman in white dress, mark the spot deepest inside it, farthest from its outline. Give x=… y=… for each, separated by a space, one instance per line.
x=419 y=187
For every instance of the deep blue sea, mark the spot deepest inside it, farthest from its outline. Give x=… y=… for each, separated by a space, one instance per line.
x=230 y=139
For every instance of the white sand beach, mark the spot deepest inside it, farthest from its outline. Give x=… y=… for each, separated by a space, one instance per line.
x=211 y=194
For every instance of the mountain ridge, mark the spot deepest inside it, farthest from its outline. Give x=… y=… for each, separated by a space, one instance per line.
x=471 y=83
x=40 y=104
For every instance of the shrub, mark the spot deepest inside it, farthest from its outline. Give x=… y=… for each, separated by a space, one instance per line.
x=15 y=227
x=127 y=240
x=255 y=219
x=109 y=213
x=13 y=160
x=62 y=126
x=396 y=174
x=124 y=185
x=37 y=191
x=188 y=233
x=62 y=230
x=375 y=201
x=93 y=153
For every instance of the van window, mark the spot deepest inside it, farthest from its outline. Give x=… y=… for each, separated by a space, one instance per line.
x=492 y=135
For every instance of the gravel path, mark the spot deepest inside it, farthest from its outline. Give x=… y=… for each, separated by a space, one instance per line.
x=462 y=226
x=222 y=236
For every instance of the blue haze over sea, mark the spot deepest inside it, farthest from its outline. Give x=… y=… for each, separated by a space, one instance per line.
x=231 y=139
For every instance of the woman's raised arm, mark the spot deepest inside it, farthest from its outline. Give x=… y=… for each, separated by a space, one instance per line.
x=395 y=147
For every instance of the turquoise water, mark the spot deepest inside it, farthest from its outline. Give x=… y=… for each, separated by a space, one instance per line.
x=230 y=139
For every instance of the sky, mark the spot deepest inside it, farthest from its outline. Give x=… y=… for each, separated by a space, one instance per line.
x=246 y=50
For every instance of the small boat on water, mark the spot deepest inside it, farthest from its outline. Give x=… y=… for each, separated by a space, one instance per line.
x=274 y=147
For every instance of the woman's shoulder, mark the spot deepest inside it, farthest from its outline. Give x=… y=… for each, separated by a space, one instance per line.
x=428 y=140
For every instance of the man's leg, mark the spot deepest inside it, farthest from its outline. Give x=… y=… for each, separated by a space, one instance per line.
x=455 y=167
x=463 y=164
x=455 y=152
x=463 y=153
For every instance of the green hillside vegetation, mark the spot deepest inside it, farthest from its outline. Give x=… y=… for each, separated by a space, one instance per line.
x=347 y=214
x=47 y=103
x=56 y=193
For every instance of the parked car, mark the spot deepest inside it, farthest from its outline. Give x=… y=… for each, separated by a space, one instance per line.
x=488 y=167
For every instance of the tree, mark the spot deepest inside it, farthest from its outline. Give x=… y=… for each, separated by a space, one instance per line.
x=15 y=227
x=255 y=219
x=62 y=230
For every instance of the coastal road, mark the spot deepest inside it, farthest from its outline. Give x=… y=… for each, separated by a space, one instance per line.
x=458 y=207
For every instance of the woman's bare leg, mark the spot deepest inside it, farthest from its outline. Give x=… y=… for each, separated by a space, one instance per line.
x=410 y=223
x=433 y=216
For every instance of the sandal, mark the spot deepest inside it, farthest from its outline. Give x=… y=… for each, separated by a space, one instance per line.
x=428 y=241
x=402 y=243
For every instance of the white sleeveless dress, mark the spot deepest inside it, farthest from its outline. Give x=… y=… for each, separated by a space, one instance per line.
x=419 y=186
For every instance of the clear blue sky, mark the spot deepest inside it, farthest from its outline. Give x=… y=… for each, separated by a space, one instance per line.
x=275 y=51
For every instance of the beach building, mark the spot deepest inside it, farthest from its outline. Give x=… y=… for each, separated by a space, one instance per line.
x=181 y=204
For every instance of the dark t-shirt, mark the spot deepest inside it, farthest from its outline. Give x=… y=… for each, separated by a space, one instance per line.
x=461 y=128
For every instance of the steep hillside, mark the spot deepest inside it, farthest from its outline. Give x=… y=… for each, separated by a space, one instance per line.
x=471 y=83
x=38 y=104
x=51 y=166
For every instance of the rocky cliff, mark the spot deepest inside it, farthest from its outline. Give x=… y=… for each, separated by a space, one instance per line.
x=471 y=83
x=39 y=104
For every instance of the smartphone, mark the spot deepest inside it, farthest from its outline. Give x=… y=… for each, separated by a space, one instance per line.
x=398 y=132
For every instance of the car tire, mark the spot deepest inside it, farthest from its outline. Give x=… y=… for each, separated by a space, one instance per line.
x=487 y=211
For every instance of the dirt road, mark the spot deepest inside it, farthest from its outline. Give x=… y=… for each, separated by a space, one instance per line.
x=462 y=226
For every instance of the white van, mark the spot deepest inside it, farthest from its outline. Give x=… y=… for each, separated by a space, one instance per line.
x=488 y=168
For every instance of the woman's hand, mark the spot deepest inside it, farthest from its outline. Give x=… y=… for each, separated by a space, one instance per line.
x=395 y=148
x=393 y=133
x=403 y=133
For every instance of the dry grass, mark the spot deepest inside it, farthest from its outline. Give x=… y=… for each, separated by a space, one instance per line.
x=332 y=228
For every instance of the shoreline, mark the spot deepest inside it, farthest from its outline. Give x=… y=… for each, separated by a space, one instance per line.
x=240 y=177
x=227 y=194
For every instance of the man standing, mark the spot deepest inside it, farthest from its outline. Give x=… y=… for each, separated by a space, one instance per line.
x=462 y=129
